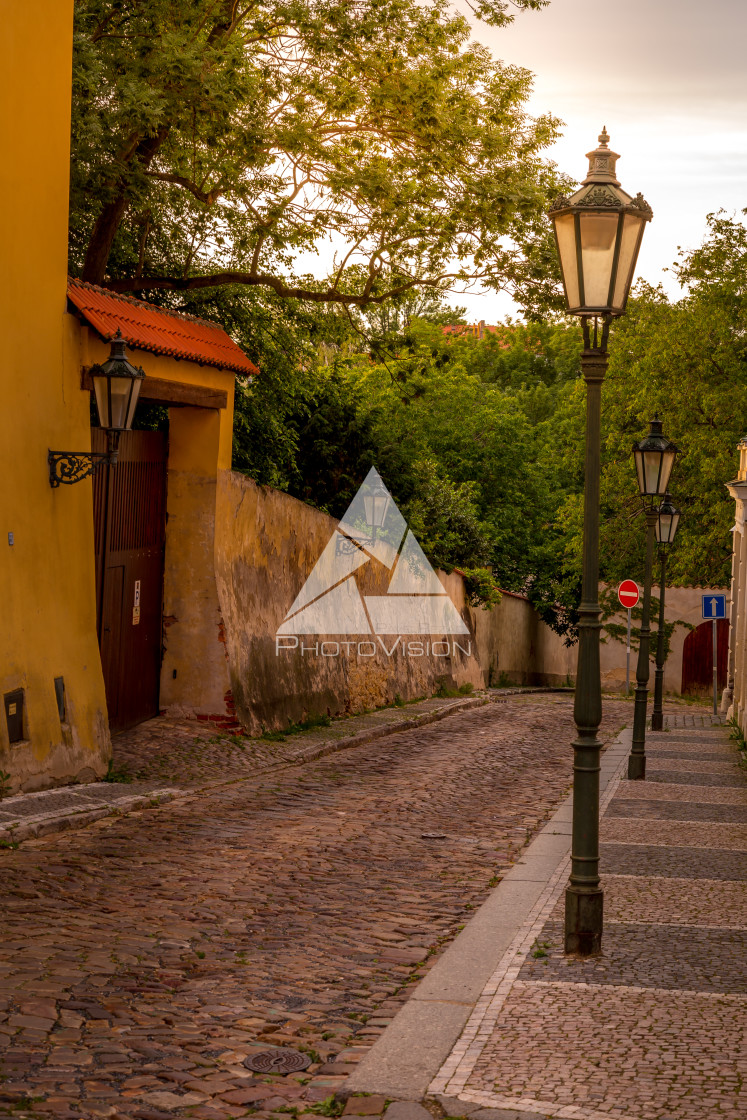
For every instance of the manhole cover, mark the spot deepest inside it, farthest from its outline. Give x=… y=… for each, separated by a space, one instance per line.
x=277 y=1060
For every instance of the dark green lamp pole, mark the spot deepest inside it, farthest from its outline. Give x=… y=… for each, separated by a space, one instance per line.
x=654 y=458
x=598 y=231
x=666 y=530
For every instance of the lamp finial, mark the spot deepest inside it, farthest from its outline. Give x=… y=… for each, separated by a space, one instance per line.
x=602 y=162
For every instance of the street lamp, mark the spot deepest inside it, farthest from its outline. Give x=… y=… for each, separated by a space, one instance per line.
x=376 y=504
x=598 y=233
x=654 y=457
x=116 y=385
x=666 y=526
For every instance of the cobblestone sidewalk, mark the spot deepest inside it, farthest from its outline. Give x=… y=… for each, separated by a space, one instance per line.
x=143 y=958
x=654 y=1029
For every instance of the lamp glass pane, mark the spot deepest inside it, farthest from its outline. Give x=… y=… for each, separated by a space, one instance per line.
x=598 y=234
x=382 y=505
x=663 y=528
x=120 y=389
x=667 y=462
x=630 y=243
x=101 y=391
x=674 y=527
x=638 y=458
x=136 y=384
x=652 y=472
x=566 y=235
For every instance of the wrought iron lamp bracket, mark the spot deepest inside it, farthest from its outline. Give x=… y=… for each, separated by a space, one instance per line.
x=69 y=467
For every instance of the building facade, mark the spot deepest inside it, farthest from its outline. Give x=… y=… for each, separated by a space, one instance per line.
x=734 y=699
x=101 y=594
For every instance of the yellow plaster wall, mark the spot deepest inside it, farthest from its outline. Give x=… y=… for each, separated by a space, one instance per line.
x=199 y=449
x=194 y=676
x=47 y=616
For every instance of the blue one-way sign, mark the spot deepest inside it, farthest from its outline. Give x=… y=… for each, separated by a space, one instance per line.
x=714 y=606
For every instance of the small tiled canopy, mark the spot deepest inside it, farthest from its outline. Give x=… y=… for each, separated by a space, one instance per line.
x=157 y=329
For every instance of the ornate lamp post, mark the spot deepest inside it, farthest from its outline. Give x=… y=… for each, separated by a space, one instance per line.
x=598 y=232
x=654 y=458
x=666 y=530
x=116 y=385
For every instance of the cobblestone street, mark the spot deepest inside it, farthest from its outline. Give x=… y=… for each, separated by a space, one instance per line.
x=144 y=957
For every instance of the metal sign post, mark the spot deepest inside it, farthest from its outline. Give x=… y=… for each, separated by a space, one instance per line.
x=715 y=667
x=714 y=607
x=628 y=593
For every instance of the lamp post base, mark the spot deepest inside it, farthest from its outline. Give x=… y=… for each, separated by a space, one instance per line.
x=584 y=919
x=636 y=767
x=657 y=721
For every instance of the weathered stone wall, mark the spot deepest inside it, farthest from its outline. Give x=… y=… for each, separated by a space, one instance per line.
x=267 y=544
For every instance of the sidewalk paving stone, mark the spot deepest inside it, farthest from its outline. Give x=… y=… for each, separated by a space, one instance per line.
x=656 y=1027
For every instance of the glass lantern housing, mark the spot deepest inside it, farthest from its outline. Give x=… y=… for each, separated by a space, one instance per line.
x=654 y=458
x=376 y=505
x=598 y=231
x=667 y=522
x=116 y=384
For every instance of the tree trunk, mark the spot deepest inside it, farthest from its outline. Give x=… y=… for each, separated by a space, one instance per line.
x=109 y=220
x=102 y=239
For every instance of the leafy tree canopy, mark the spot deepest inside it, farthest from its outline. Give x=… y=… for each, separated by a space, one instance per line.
x=214 y=141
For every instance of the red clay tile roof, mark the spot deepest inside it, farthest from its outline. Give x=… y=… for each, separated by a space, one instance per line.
x=147 y=327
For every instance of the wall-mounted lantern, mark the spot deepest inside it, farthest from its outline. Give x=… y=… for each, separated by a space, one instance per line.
x=116 y=385
x=376 y=504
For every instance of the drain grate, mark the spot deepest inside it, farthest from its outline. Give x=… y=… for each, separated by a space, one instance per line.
x=277 y=1060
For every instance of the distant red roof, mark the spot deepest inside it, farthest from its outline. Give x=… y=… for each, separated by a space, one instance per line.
x=476 y=330
x=157 y=329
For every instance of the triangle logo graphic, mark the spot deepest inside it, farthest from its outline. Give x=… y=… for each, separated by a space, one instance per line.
x=416 y=601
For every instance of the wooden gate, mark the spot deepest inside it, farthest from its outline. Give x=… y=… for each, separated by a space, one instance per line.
x=129 y=502
x=697 y=658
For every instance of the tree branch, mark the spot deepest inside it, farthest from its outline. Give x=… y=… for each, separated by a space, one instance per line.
x=206 y=197
x=331 y=295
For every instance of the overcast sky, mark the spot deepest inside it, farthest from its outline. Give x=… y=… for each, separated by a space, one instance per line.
x=669 y=80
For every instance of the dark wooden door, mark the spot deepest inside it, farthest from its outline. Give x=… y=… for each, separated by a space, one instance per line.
x=129 y=502
x=697 y=658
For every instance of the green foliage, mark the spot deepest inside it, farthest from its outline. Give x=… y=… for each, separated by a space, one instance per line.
x=5 y=780
x=116 y=773
x=213 y=143
x=443 y=691
x=328 y=1107
x=444 y=517
x=482 y=590
x=309 y=724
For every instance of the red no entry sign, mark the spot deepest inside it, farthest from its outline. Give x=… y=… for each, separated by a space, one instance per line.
x=628 y=593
